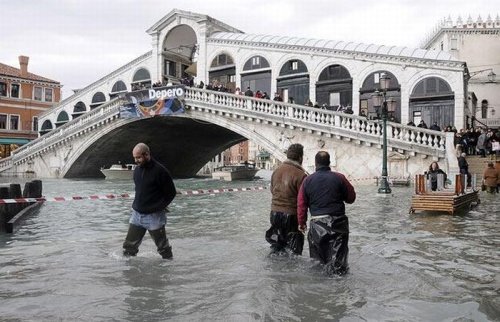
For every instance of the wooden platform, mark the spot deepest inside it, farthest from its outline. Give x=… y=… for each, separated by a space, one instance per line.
x=446 y=200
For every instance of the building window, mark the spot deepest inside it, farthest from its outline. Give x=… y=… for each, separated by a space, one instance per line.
x=14 y=90
x=294 y=65
x=14 y=122
x=3 y=121
x=255 y=61
x=376 y=78
x=34 y=125
x=38 y=94
x=3 y=89
x=232 y=78
x=454 y=44
x=48 y=95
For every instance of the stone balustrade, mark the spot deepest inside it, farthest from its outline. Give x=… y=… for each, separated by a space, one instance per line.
x=400 y=137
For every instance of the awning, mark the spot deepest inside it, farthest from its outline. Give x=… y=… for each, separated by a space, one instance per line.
x=191 y=70
x=13 y=141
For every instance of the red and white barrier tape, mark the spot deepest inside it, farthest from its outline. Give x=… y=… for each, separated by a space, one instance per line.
x=125 y=195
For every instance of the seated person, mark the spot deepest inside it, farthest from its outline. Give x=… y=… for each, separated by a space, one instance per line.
x=433 y=173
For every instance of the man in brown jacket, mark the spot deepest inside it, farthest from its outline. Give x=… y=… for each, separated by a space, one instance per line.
x=285 y=185
x=490 y=177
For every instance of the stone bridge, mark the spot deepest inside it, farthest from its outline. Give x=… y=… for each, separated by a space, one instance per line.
x=213 y=122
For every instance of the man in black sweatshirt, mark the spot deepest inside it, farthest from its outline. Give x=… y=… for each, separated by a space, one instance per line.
x=154 y=191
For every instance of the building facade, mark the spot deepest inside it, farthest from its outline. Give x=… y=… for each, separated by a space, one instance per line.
x=23 y=96
x=477 y=42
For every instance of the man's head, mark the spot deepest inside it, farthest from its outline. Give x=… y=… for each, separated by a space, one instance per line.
x=322 y=159
x=463 y=154
x=141 y=154
x=295 y=152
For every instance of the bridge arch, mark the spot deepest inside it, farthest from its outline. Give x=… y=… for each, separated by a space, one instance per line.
x=79 y=109
x=62 y=118
x=179 y=49
x=293 y=81
x=118 y=87
x=97 y=99
x=256 y=73
x=334 y=87
x=203 y=136
x=433 y=101
x=142 y=77
x=46 y=127
x=222 y=70
x=368 y=88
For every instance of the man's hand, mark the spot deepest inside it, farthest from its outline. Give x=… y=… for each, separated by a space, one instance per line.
x=302 y=228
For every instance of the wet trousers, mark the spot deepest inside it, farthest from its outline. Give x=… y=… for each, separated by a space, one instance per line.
x=284 y=233
x=328 y=242
x=134 y=238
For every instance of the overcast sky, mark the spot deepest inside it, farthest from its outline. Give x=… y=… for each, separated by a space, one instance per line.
x=77 y=42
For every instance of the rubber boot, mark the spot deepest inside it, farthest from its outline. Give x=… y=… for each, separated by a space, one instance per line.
x=161 y=241
x=133 y=240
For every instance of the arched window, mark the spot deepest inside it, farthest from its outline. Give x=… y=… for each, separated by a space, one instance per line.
x=222 y=72
x=118 y=87
x=141 y=79
x=46 y=127
x=432 y=101
x=256 y=74
x=98 y=99
x=62 y=118
x=370 y=85
x=334 y=87
x=79 y=109
x=293 y=82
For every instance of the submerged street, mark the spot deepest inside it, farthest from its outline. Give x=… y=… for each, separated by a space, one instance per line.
x=65 y=262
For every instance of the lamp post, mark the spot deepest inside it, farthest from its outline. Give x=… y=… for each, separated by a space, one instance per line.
x=388 y=106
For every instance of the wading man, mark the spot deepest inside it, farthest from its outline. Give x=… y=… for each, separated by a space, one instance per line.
x=324 y=194
x=285 y=185
x=154 y=191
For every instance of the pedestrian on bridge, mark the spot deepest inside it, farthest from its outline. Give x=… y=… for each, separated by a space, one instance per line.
x=285 y=185
x=154 y=191
x=325 y=193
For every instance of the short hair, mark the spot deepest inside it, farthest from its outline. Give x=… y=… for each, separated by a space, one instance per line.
x=295 y=152
x=490 y=164
x=322 y=158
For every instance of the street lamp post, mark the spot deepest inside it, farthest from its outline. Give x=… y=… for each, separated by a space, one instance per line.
x=388 y=106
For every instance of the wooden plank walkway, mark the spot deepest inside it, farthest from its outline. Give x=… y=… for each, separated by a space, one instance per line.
x=447 y=200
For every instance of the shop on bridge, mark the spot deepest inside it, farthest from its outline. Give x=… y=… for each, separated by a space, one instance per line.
x=256 y=74
x=432 y=101
x=370 y=85
x=293 y=82
x=334 y=88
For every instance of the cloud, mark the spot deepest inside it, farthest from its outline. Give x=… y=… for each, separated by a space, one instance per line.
x=77 y=42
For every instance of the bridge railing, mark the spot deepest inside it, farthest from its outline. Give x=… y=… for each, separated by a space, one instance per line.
x=400 y=136
x=96 y=115
x=353 y=126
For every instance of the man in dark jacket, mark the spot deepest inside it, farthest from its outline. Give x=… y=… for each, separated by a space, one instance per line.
x=285 y=184
x=154 y=191
x=324 y=193
x=463 y=166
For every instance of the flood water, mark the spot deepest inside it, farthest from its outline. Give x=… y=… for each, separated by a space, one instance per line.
x=65 y=262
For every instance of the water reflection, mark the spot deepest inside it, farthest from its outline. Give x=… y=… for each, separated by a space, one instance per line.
x=65 y=263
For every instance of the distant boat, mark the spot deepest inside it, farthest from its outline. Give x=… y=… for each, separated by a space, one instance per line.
x=119 y=171
x=235 y=172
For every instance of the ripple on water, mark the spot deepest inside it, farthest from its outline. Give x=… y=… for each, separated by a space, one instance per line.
x=65 y=263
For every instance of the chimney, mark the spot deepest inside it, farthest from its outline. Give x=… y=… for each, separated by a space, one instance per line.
x=23 y=62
